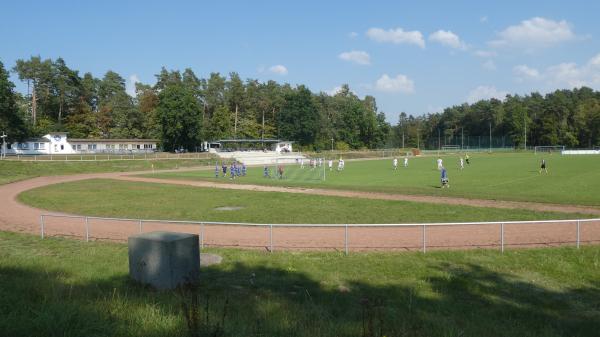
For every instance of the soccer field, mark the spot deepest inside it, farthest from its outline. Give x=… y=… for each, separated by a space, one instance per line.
x=570 y=179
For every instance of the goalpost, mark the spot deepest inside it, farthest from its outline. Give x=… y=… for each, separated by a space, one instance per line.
x=548 y=149
x=306 y=169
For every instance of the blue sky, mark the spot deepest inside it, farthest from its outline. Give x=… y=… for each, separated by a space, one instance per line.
x=416 y=57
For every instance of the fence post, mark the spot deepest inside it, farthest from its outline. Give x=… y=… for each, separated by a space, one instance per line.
x=346 y=239
x=424 y=248
x=270 y=238
x=87 y=229
x=201 y=236
x=502 y=237
x=42 y=224
x=141 y=226
x=578 y=233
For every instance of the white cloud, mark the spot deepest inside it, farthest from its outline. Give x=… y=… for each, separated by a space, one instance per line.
x=333 y=91
x=400 y=83
x=356 y=56
x=489 y=65
x=353 y=35
x=337 y=90
x=447 y=38
x=525 y=73
x=595 y=61
x=567 y=74
x=485 y=92
x=130 y=85
x=278 y=69
x=563 y=75
x=485 y=53
x=534 y=33
x=397 y=36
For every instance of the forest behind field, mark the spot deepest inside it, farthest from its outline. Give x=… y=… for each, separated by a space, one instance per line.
x=181 y=110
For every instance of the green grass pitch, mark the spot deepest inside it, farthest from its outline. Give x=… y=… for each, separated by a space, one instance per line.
x=570 y=180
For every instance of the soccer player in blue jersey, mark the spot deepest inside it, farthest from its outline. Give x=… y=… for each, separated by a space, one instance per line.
x=224 y=168
x=444 y=178
x=243 y=169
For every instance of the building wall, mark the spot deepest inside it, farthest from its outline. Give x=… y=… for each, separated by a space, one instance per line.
x=59 y=144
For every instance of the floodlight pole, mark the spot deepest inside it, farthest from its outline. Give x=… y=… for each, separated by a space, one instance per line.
x=525 y=129
x=490 y=137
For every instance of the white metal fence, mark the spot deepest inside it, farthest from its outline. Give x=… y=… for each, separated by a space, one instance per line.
x=422 y=236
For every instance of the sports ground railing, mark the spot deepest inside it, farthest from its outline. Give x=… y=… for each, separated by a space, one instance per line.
x=346 y=237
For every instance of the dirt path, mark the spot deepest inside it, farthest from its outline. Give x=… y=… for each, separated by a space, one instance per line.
x=15 y=216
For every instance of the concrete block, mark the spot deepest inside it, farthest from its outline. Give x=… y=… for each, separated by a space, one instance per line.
x=164 y=260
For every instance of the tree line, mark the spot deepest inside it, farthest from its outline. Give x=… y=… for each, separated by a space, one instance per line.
x=181 y=110
x=563 y=117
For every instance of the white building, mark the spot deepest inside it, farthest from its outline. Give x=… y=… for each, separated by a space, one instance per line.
x=58 y=143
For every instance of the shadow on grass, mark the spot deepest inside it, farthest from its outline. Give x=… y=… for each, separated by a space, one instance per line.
x=468 y=300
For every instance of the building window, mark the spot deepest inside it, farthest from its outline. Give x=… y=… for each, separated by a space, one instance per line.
x=62 y=147
x=147 y=146
x=91 y=146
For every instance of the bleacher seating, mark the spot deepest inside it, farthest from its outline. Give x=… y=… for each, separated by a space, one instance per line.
x=261 y=158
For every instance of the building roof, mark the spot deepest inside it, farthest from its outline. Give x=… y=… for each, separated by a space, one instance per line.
x=114 y=140
x=37 y=140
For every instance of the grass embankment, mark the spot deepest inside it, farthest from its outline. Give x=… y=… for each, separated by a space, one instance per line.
x=60 y=287
x=571 y=179
x=11 y=171
x=105 y=197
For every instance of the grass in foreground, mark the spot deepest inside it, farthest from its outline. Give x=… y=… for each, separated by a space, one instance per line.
x=110 y=198
x=57 y=287
x=11 y=171
x=571 y=179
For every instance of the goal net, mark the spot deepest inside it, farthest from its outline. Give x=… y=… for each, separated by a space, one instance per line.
x=548 y=149
x=300 y=169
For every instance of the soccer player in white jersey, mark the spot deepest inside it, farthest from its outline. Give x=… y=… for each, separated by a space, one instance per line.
x=439 y=163
x=340 y=164
x=462 y=163
x=395 y=164
x=405 y=161
x=330 y=164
